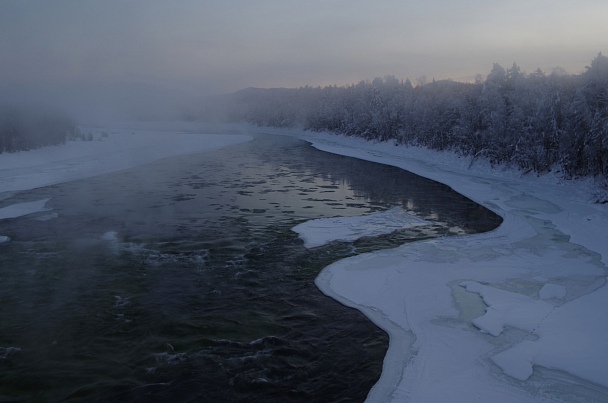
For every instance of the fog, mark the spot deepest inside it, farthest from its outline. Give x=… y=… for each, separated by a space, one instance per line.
x=101 y=102
x=153 y=59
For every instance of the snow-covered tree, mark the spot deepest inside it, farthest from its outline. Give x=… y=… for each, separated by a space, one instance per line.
x=535 y=122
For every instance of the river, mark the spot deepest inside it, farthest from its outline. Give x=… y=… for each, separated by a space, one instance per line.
x=182 y=281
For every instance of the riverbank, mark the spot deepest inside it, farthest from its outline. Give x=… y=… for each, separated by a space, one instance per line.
x=109 y=150
x=515 y=314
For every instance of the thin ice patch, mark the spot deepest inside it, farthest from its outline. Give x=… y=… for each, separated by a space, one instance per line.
x=324 y=230
x=21 y=209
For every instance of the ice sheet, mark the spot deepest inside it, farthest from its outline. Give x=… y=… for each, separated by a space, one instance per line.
x=324 y=230
x=21 y=209
x=571 y=338
x=507 y=308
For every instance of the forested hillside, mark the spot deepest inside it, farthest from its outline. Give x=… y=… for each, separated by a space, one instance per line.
x=537 y=121
x=26 y=128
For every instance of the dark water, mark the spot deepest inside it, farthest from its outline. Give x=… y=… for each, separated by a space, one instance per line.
x=200 y=291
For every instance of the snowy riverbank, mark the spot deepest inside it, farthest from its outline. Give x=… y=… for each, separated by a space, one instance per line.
x=516 y=314
x=110 y=150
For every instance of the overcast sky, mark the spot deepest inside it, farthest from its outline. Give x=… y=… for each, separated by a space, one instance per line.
x=226 y=45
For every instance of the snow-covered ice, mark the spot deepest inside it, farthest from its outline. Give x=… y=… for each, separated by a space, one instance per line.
x=21 y=209
x=571 y=338
x=324 y=230
x=517 y=314
x=550 y=291
x=506 y=308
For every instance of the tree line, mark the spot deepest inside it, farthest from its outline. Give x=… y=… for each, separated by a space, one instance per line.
x=536 y=122
x=26 y=128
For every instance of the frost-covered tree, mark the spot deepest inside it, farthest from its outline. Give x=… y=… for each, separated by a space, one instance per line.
x=535 y=122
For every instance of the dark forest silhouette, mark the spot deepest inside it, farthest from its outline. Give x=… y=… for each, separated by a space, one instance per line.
x=26 y=128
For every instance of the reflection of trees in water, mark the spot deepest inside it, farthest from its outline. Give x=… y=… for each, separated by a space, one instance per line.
x=380 y=183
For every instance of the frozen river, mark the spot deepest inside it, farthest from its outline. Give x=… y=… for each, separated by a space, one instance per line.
x=183 y=279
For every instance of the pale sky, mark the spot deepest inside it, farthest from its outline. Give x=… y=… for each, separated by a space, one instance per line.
x=221 y=46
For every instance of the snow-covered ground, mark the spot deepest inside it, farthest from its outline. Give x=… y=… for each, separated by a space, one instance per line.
x=514 y=315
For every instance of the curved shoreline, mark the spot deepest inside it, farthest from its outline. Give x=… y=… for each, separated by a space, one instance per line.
x=434 y=355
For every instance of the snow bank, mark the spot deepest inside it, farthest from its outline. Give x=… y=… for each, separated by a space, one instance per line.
x=324 y=230
x=541 y=275
x=111 y=150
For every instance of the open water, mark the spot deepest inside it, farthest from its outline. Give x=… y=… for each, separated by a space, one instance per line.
x=181 y=280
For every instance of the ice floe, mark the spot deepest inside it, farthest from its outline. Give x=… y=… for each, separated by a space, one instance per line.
x=324 y=230
x=22 y=209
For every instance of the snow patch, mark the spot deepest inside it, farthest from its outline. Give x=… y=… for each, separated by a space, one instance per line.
x=321 y=231
x=22 y=209
x=572 y=338
x=507 y=308
x=553 y=291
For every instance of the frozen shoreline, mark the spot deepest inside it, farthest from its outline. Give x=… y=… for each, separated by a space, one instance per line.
x=542 y=274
